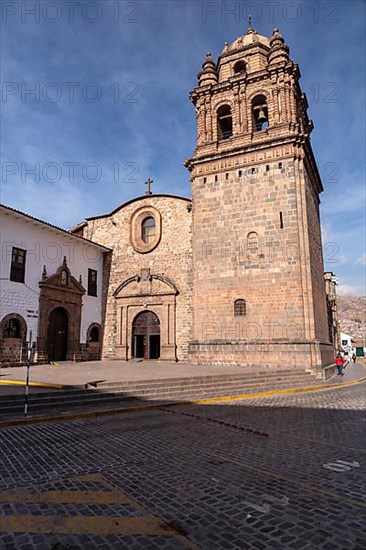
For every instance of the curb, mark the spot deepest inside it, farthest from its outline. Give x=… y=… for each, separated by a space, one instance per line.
x=94 y=414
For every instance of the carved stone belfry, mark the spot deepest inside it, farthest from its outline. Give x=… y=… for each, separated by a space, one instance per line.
x=254 y=172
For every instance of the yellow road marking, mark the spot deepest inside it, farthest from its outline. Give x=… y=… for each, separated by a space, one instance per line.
x=290 y=479
x=274 y=392
x=10 y=382
x=144 y=524
x=142 y=408
x=92 y=525
x=66 y=496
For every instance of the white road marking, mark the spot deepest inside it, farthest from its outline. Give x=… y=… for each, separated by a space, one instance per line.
x=341 y=465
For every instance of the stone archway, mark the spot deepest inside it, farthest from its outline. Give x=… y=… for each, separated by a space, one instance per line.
x=143 y=293
x=57 y=335
x=13 y=335
x=146 y=336
x=63 y=292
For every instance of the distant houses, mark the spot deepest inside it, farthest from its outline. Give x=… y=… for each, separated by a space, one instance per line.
x=350 y=345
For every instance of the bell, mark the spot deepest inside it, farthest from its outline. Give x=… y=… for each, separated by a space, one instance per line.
x=261 y=115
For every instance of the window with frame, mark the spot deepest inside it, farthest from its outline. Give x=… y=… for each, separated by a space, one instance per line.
x=94 y=334
x=12 y=329
x=148 y=228
x=252 y=243
x=92 y=282
x=17 y=271
x=240 y=308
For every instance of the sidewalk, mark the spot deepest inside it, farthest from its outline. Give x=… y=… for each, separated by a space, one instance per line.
x=70 y=373
x=79 y=374
x=353 y=371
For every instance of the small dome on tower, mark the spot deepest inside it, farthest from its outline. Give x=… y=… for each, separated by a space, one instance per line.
x=276 y=38
x=279 y=51
x=208 y=75
x=251 y=37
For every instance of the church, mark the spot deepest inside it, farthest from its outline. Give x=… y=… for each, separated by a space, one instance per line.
x=234 y=274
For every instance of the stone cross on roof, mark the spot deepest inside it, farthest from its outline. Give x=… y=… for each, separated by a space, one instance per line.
x=148 y=182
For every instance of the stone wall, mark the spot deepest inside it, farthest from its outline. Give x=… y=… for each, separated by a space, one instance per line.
x=170 y=260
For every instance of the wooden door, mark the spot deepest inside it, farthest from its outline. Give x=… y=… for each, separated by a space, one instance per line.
x=57 y=335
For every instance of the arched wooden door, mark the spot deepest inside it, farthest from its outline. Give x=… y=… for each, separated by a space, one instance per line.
x=146 y=336
x=57 y=335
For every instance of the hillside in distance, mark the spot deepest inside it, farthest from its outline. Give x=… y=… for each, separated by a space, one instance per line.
x=352 y=315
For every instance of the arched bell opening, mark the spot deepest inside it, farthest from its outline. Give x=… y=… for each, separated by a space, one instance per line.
x=224 y=122
x=260 y=113
x=239 y=67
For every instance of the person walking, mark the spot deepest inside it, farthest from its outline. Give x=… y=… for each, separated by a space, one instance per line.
x=339 y=361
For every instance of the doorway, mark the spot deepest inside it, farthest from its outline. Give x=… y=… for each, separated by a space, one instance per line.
x=57 y=335
x=146 y=336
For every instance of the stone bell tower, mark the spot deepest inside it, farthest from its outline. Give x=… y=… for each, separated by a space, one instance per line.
x=259 y=291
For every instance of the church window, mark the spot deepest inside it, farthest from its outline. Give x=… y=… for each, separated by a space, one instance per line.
x=94 y=334
x=12 y=329
x=240 y=173
x=17 y=271
x=239 y=67
x=280 y=165
x=281 y=220
x=267 y=168
x=259 y=113
x=227 y=176
x=204 y=180
x=216 y=178
x=148 y=230
x=92 y=282
x=240 y=308
x=252 y=243
x=224 y=122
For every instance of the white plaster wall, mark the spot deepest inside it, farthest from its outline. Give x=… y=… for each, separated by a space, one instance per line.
x=45 y=246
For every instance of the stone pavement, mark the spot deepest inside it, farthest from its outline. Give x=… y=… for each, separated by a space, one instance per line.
x=79 y=374
x=69 y=373
x=284 y=472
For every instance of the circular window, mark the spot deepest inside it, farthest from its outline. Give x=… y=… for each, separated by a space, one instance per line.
x=145 y=229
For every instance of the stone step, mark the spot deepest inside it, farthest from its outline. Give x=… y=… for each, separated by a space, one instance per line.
x=204 y=379
x=145 y=389
x=160 y=384
x=122 y=400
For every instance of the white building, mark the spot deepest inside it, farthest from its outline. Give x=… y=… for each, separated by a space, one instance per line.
x=347 y=343
x=51 y=284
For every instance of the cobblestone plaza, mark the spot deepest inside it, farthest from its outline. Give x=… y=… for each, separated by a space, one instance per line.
x=280 y=472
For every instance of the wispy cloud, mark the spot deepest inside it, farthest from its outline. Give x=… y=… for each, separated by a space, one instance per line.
x=162 y=54
x=361 y=260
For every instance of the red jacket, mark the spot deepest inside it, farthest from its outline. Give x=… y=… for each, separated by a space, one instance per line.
x=338 y=361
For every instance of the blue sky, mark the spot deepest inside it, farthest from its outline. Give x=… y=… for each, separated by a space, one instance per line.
x=150 y=52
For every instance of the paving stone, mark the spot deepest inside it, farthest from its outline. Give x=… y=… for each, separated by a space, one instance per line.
x=215 y=487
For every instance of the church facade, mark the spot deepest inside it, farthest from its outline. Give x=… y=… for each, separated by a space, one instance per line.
x=234 y=275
